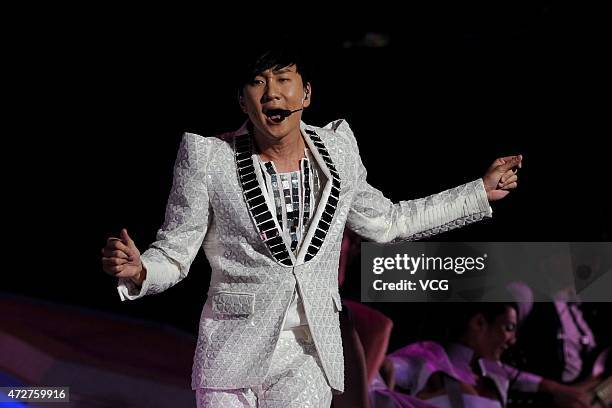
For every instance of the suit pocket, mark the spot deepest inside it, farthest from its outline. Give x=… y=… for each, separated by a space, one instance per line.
x=337 y=301
x=232 y=305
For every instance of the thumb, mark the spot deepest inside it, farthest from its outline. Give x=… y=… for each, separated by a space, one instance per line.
x=513 y=162
x=126 y=238
x=495 y=195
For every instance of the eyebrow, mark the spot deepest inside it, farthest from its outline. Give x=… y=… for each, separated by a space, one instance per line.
x=278 y=72
x=282 y=70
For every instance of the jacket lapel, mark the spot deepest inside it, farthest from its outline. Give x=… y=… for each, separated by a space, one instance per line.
x=257 y=204
x=323 y=217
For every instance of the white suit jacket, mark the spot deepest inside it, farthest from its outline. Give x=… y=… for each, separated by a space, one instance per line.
x=216 y=202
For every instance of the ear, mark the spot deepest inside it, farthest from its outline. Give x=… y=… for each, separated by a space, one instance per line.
x=308 y=94
x=478 y=323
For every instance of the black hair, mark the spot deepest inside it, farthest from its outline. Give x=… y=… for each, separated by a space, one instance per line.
x=466 y=311
x=282 y=53
x=449 y=321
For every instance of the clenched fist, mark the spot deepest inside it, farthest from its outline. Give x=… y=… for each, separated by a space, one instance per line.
x=121 y=258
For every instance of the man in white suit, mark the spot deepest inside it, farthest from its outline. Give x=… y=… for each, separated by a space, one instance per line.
x=269 y=203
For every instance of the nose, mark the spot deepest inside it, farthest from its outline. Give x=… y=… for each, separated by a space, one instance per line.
x=271 y=92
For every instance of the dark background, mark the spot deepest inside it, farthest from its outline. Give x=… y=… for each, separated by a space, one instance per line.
x=107 y=96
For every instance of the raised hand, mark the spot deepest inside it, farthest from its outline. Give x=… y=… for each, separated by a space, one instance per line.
x=121 y=258
x=502 y=177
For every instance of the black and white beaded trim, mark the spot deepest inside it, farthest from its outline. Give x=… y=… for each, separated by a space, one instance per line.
x=258 y=208
x=256 y=201
x=332 y=201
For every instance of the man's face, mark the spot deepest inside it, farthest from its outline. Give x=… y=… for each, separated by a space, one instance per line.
x=275 y=89
x=498 y=335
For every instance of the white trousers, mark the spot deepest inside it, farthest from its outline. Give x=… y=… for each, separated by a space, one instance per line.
x=295 y=379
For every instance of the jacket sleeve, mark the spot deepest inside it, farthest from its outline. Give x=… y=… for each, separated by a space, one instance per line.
x=375 y=217
x=168 y=259
x=522 y=380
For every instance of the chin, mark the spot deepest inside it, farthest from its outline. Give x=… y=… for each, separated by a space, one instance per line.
x=490 y=355
x=277 y=132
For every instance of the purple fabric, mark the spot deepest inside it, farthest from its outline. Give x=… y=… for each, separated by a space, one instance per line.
x=415 y=363
x=391 y=399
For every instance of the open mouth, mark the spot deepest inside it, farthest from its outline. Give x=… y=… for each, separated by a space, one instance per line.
x=276 y=115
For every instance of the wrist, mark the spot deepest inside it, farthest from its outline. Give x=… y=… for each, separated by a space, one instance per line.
x=140 y=276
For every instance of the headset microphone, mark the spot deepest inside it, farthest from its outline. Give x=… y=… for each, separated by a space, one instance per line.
x=285 y=113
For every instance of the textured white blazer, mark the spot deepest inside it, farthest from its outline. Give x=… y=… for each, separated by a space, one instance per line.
x=216 y=202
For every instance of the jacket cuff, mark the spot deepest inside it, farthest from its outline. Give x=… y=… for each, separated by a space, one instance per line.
x=128 y=290
x=482 y=202
x=528 y=382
